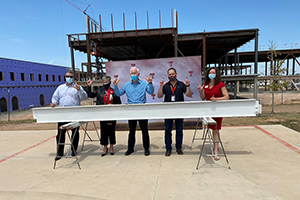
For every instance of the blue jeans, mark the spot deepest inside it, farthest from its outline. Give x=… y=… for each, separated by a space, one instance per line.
x=168 y=133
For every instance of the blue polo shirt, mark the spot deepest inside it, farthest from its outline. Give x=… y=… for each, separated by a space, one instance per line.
x=136 y=92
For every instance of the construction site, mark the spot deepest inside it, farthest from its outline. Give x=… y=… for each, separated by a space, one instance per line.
x=257 y=161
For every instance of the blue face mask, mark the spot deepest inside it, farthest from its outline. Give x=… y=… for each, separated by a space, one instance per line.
x=134 y=77
x=211 y=76
x=69 y=80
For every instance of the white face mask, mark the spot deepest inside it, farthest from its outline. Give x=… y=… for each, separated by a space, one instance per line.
x=211 y=76
x=69 y=80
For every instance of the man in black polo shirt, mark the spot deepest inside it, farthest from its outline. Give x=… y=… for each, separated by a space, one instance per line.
x=173 y=91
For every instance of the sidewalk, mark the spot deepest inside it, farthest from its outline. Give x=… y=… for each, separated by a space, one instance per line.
x=264 y=164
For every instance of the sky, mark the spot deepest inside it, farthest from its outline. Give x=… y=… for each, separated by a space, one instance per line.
x=36 y=30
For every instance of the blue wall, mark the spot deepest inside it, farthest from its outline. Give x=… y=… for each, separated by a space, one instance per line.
x=29 y=96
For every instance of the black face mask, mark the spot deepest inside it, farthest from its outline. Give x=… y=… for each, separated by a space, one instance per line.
x=172 y=78
x=106 y=86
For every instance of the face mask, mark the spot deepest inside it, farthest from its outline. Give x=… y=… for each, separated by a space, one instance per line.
x=134 y=77
x=106 y=86
x=172 y=78
x=211 y=76
x=69 y=80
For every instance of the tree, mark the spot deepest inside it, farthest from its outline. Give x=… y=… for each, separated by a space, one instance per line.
x=276 y=71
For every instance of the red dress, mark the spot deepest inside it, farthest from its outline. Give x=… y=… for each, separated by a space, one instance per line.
x=216 y=92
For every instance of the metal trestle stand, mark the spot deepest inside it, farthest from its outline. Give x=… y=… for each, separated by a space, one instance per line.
x=68 y=127
x=207 y=136
x=87 y=135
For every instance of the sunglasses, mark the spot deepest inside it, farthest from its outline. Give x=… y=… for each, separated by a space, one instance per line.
x=69 y=76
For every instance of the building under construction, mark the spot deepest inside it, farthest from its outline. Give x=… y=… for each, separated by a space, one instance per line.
x=213 y=47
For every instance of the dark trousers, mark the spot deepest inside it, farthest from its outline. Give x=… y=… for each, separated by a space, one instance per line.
x=62 y=135
x=168 y=133
x=108 y=131
x=131 y=137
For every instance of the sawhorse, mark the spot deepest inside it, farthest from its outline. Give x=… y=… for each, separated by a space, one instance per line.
x=207 y=136
x=68 y=127
x=86 y=134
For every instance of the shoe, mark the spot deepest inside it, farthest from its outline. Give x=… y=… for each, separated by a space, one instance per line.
x=104 y=154
x=57 y=157
x=112 y=152
x=179 y=152
x=128 y=152
x=73 y=154
x=147 y=152
x=216 y=157
x=168 y=153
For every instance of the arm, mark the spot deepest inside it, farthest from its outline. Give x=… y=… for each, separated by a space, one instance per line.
x=160 y=92
x=90 y=93
x=82 y=94
x=119 y=92
x=188 y=92
x=224 y=97
x=150 y=88
x=55 y=98
x=201 y=92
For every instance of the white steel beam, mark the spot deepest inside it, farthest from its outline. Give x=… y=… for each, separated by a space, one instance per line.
x=188 y=109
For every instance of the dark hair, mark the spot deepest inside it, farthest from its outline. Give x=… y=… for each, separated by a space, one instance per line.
x=171 y=68
x=218 y=75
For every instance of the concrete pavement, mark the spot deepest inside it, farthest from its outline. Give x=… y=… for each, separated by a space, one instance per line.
x=264 y=164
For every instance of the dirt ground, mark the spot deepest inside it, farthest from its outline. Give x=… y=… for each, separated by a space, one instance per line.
x=292 y=98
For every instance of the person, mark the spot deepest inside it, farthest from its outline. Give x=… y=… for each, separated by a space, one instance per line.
x=68 y=94
x=214 y=90
x=105 y=95
x=173 y=91
x=136 y=94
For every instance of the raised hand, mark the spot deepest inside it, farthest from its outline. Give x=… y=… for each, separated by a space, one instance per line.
x=89 y=82
x=76 y=86
x=186 y=82
x=116 y=81
x=199 y=88
x=149 y=79
x=162 y=82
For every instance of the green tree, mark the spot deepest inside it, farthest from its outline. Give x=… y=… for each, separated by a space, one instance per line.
x=277 y=70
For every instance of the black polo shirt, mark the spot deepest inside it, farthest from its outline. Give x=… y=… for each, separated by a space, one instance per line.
x=179 y=91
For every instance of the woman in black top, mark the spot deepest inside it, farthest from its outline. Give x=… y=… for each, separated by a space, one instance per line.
x=105 y=95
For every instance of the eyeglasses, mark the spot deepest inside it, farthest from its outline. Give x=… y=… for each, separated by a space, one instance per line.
x=69 y=76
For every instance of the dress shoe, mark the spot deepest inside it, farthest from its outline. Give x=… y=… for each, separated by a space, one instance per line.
x=179 y=152
x=104 y=154
x=168 y=153
x=112 y=153
x=147 y=152
x=128 y=152
x=57 y=157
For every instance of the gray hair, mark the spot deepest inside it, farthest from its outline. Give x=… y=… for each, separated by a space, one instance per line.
x=137 y=69
x=106 y=78
x=70 y=71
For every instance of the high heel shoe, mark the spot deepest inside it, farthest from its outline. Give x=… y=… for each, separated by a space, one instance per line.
x=104 y=154
x=112 y=153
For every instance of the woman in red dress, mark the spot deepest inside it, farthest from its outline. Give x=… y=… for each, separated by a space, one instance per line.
x=214 y=90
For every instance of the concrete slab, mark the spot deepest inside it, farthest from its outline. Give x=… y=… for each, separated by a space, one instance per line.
x=262 y=167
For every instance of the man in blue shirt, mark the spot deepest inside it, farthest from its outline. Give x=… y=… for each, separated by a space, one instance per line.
x=136 y=93
x=68 y=94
